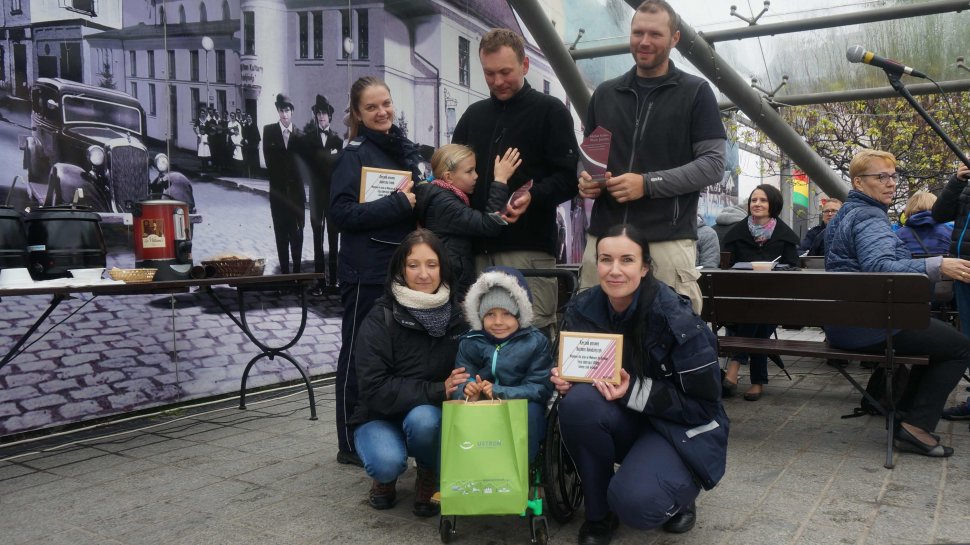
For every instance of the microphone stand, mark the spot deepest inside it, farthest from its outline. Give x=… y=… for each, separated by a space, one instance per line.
x=894 y=80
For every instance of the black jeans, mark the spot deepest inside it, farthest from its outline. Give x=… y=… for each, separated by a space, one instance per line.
x=357 y=300
x=929 y=385
x=758 y=362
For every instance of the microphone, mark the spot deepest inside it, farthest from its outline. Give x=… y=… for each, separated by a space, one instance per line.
x=857 y=53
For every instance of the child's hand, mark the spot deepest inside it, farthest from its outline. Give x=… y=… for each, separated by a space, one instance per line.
x=472 y=389
x=506 y=165
x=487 y=388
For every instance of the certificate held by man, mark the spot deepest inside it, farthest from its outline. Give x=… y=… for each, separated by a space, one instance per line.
x=595 y=151
x=590 y=357
x=381 y=182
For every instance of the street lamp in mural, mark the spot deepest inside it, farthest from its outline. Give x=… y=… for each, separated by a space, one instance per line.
x=207 y=44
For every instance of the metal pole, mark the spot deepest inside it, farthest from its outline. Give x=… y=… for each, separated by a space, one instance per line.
x=555 y=51
x=696 y=50
x=801 y=25
x=860 y=94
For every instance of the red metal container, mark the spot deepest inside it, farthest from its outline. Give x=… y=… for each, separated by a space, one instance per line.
x=163 y=238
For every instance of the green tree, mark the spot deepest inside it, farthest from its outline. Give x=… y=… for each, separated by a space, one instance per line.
x=837 y=130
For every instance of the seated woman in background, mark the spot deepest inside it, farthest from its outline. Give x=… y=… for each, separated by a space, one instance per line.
x=921 y=233
x=405 y=370
x=762 y=237
x=860 y=239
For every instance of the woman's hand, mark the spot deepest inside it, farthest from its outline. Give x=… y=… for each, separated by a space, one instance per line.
x=406 y=190
x=455 y=379
x=506 y=165
x=957 y=269
x=611 y=392
x=588 y=188
x=561 y=386
x=963 y=172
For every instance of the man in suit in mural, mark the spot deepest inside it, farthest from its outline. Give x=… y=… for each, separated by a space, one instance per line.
x=251 y=141
x=321 y=146
x=282 y=143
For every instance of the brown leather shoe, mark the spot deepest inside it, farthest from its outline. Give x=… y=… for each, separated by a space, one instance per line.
x=382 y=495
x=425 y=487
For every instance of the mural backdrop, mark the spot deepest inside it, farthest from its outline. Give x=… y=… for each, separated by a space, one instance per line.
x=204 y=75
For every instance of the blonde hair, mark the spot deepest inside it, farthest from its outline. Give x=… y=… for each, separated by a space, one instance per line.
x=918 y=202
x=447 y=157
x=863 y=158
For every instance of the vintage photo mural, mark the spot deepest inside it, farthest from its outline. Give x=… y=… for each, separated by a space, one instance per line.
x=186 y=87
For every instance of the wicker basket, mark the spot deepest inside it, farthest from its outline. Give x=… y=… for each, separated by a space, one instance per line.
x=228 y=268
x=132 y=276
x=259 y=265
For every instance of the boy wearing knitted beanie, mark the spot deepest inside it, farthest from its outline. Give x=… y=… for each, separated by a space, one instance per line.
x=506 y=355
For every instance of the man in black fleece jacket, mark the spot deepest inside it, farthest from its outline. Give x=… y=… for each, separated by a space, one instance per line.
x=539 y=125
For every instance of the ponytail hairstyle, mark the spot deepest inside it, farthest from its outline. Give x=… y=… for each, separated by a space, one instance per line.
x=648 y=284
x=447 y=157
x=356 y=90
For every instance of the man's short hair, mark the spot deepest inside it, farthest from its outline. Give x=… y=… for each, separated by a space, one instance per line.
x=656 y=6
x=495 y=39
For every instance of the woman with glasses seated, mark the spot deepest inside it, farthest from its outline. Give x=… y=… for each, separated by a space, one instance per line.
x=860 y=239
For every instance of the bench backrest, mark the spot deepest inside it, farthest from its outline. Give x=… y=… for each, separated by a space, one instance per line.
x=817 y=298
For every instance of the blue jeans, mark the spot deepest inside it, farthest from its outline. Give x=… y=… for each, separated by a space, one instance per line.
x=385 y=445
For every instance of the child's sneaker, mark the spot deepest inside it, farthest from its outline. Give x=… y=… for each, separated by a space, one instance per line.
x=958 y=412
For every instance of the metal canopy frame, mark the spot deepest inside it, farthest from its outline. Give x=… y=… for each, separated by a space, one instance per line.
x=697 y=49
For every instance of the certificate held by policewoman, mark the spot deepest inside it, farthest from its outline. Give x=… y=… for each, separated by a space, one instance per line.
x=381 y=182
x=588 y=357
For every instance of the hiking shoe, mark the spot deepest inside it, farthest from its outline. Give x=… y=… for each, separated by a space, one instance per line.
x=425 y=487
x=958 y=412
x=382 y=495
x=349 y=458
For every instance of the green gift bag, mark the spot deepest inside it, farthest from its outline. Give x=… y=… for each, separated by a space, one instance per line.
x=484 y=457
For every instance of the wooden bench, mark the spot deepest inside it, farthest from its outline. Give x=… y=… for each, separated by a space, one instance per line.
x=816 y=298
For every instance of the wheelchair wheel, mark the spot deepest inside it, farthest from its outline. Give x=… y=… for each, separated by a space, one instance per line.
x=564 y=495
x=446 y=528
x=540 y=530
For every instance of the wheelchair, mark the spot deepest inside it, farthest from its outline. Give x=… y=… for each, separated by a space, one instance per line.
x=554 y=481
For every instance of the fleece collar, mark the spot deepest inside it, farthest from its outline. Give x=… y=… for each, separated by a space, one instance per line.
x=486 y=282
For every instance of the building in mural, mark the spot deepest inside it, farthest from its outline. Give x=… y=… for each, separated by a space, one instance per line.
x=237 y=55
x=47 y=39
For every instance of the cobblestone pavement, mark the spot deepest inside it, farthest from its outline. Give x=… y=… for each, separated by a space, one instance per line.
x=116 y=354
x=798 y=474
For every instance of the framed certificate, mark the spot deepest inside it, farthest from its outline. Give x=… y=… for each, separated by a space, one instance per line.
x=381 y=182
x=588 y=357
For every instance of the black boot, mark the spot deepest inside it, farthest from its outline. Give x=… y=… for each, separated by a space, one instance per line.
x=683 y=521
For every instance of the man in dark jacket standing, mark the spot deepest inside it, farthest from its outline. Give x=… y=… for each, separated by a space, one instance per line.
x=287 y=199
x=321 y=146
x=667 y=145
x=814 y=241
x=518 y=116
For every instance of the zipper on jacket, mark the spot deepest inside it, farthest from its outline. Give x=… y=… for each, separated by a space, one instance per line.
x=498 y=347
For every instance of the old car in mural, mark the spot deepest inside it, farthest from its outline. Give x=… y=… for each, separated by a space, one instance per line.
x=93 y=139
